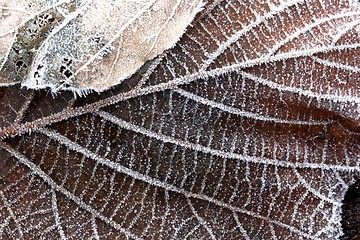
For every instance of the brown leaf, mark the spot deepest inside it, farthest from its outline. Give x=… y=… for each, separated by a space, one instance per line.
x=247 y=129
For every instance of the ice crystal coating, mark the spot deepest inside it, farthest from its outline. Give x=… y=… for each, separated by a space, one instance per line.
x=248 y=128
x=86 y=45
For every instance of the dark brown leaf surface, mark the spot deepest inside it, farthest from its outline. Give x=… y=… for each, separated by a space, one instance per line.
x=247 y=129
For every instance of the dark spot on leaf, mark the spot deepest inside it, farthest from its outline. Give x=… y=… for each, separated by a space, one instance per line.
x=351 y=213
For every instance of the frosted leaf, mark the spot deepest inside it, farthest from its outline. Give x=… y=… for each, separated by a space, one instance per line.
x=90 y=45
x=247 y=128
x=13 y=14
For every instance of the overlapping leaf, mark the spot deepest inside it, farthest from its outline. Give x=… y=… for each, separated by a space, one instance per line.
x=86 y=45
x=246 y=129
